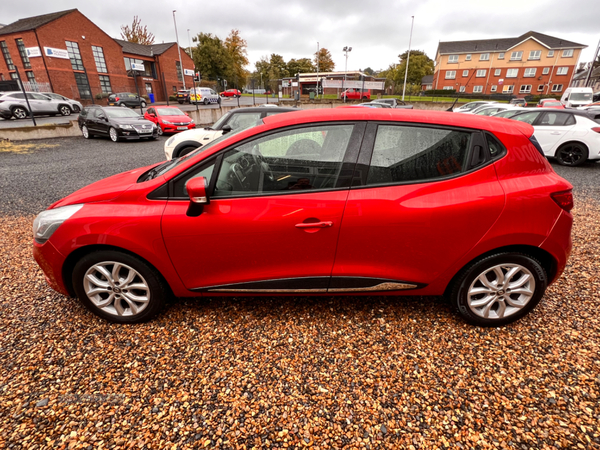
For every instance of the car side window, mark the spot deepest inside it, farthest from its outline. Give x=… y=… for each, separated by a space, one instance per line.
x=245 y=120
x=150 y=111
x=557 y=119
x=204 y=170
x=528 y=117
x=409 y=153
x=299 y=159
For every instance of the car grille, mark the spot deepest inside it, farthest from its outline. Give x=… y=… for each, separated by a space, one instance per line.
x=143 y=128
x=180 y=123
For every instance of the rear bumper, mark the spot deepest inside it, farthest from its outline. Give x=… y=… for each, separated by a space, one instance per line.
x=559 y=243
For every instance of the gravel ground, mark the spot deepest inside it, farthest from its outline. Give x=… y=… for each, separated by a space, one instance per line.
x=268 y=372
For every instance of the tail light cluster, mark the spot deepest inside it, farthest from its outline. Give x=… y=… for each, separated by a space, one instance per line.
x=564 y=199
x=116 y=99
x=596 y=129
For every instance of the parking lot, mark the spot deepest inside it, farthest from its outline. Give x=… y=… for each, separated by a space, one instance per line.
x=284 y=372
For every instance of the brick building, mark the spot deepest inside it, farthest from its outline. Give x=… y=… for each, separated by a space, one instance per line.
x=530 y=64
x=66 y=53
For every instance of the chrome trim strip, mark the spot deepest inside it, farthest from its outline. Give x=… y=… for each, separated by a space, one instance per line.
x=379 y=287
x=267 y=290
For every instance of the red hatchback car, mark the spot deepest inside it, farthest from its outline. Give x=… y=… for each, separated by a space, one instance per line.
x=231 y=93
x=342 y=201
x=169 y=119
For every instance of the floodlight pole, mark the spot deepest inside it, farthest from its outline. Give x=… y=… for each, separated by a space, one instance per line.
x=318 y=69
x=346 y=50
x=178 y=49
x=408 y=58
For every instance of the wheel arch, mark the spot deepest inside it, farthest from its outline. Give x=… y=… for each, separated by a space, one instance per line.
x=183 y=145
x=547 y=261
x=571 y=141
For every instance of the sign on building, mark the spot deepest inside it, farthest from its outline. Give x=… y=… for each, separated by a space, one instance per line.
x=137 y=66
x=56 y=53
x=33 y=52
x=188 y=72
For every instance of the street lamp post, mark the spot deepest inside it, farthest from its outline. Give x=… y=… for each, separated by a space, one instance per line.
x=345 y=50
x=408 y=57
x=318 y=69
x=179 y=50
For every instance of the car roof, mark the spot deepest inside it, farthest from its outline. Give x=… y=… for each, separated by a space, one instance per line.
x=444 y=118
x=588 y=114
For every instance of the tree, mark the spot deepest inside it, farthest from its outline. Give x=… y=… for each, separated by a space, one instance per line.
x=236 y=47
x=302 y=65
x=323 y=60
x=369 y=71
x=211 y=57
x=419 y=66
x=137 y=33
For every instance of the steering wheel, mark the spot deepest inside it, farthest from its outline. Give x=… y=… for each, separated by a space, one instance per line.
x=261 y=162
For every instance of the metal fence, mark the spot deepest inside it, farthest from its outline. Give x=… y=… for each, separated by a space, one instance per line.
x=32 y=86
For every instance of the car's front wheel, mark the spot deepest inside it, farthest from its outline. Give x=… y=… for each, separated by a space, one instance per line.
x=499 y=289
x=186 y=150
x=572 y=154
x=119 y=287
x=114 y=136
x=159 y=130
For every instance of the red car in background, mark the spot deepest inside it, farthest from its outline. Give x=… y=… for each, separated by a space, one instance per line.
x=550 y=103
x=356 y=94
x=169 y=119
x=231 y=93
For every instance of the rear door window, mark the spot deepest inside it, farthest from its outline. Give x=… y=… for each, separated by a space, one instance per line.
x=556 y=119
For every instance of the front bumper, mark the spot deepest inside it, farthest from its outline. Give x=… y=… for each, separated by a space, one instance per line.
x=133 y=134
x=51 y=262
x=175 y=128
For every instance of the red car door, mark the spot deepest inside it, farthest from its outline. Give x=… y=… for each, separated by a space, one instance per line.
x=421 y=207
x=274 y=216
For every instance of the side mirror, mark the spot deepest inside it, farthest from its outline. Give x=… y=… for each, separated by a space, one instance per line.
x=196 y=188
x=226 y=129
x=151 y=114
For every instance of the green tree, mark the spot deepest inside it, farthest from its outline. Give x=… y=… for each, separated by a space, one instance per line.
x=369 y=71
x=237 y=49
x=324 y=61
x=419 y=66
x=302 y=65
x=211 y=57
x=137 y=33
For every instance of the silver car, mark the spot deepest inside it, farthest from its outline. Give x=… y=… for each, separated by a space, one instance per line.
x=74 y=104
x=14 y=104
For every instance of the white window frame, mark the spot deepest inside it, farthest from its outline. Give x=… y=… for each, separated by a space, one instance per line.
x=557 y=87
x=480 y=73
x=568 y=53
x=468 y=57
x=516 y=56
x=497 y=72
x=501 y=55
x=461 y=89
x=546 y=71
x=465 y=73
x=508 y=88
x=452 y=59
x=493 y=88
x=484 y=57
x=562 y=70
x=540 y=87
x=525 y=89
x=450 y=75
x=511 y=71
x=447 y=88
x=535 y=54
x=477 y=89
x=550 y=53
x=530 y=72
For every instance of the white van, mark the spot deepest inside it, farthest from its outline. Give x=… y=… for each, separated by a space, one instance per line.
x=204 y=95
x=577 y=96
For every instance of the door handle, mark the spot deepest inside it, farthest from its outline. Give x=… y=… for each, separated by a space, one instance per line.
x=314 y=225
x=556 y=132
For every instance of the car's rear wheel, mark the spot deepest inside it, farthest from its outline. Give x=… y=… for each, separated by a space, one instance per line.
x=499 y=289
x=65 y=110
x=112 y=133
x=206 y=101
x=572 y=154
x=143 y=104
x=76 y=109
x=19 y=112
x=86 y=132
x=119 y=287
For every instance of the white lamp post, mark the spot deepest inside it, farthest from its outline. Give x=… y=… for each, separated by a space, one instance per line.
x=408 y=57
x=179 y=50
x=345 y=50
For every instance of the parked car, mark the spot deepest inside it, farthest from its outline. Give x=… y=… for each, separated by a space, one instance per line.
x=237 y=119
x=518 y=102
x=471 y=105
x=570 y=136
x=116 y=123
x=14 y=104
x=204 y=95
x=74 y=104
x=356 y=94
x=126 y=99
x=322 y=202
x=508 y=113
x=183 y=96
x=550 y=103
x=371 y=105
x=231 y=93
x=169 y=119
x=388 y=101
x=596 y=97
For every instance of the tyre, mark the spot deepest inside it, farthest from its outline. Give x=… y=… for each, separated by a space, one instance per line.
x=76 y=109
x=185 y=151
x=364 y=97
x=159 y=130
x=65 y=110
x=180 y=102
x=571 y=154
x=86 y=132
x=112 y=133
x=218 y=101
x=119 y=287
x=143 y=104
x=206 y=101
x=499 y=289
x=20 y=112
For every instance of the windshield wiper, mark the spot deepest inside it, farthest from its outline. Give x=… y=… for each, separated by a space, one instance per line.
x=155 y=171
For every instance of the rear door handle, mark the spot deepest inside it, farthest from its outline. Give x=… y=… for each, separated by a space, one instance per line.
x=314 y=225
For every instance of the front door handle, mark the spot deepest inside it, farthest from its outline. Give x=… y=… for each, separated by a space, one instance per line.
x=556 y=133
x=314 y=225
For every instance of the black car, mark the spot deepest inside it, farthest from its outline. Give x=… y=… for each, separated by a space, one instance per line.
x=116 y=123
x=126 y=99
x=183 y=96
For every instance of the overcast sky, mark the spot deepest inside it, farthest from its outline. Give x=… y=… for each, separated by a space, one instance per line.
x=377 y=30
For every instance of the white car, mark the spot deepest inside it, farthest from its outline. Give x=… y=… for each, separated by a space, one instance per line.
x=74 y=104
x=490 y=110
x=471 y=106
x=571 y=136
x=14 y=104
x=237 y=119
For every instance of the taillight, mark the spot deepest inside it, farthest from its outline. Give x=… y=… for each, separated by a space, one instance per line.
x=116 y=99
x=564 y=199
x=596 y=129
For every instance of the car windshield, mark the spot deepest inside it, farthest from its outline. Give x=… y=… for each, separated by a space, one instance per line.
x=581 y=96
x=121 y=113
x=219 y=123
x=169 y=112
x=553 y=103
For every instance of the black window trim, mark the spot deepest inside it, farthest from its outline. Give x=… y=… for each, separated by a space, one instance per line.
x=348 y=162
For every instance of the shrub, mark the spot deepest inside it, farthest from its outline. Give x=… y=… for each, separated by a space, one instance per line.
x=172 y=98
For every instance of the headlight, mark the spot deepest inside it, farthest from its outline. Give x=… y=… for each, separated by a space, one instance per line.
x=191 y=122
x=167 y=122
x=47 y=222
x=126 y=127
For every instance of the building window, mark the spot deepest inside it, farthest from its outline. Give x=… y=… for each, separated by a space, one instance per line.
x=530 y=72
x=105 y=84
x=448 y=88
x=546 y=70
x=468 y=57
x=567 y=53
x=453 y=58
x=175 y=89
x=83 y=85
x=501 y=55
x=535 y=54
x=557 y=87
x=7 y=58
x=99 y=58
x=484 y=57
x=512 y=73
x=30 y=77
x=540 y=87
x=516 y=56
x=23 y=53
x=508 y=89
x=2 y=77
x=75 y=56
x=450 y=74
x=477 y=89
x=465 y=73
x=481 y=73
x=497 y=72
x=14 y=76
x=178 y=68
x=149 y=67
x=494 y=88
x=562 y=71
x=550 y=53
x=462 y=89
x=525 y=89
